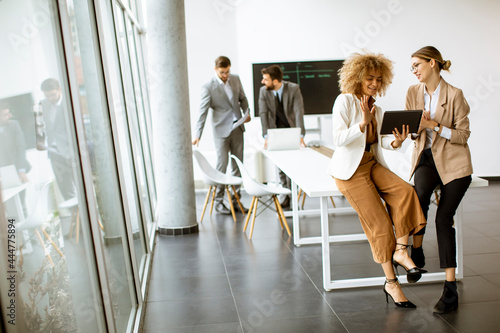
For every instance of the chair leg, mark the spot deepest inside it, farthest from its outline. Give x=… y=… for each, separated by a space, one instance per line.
x=298 y=196
x=213 y=199
x=206 y=202
x=238 y=200
x=21 y=244
x=284 y=219
x=333 y=203
x=43 y=246
x=253 y=217
x=303 y=199
x=249 y=213
x=52 y=242
x=72 y=225
x=437 y=197
x=277 y=210
x=230 y=203
x=77 y=225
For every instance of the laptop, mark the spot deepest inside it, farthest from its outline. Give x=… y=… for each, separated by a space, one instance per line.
x=9 y=177
x=283 y=138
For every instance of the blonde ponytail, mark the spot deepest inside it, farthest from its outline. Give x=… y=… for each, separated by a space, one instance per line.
x=446 y=65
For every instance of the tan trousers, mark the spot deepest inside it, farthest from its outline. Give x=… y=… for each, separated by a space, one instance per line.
x=363 y=190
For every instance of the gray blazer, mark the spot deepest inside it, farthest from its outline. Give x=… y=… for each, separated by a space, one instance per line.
x=58 y=139
x=13 y=147
x=293 y=105
x=213 y=96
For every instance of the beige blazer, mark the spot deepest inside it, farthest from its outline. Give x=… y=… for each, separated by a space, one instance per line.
x=350 y=141
x=452 y=157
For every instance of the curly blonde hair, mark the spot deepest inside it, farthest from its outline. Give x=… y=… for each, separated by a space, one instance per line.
x=357 y=66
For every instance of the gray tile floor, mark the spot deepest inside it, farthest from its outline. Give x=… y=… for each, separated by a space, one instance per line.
x=220 y=281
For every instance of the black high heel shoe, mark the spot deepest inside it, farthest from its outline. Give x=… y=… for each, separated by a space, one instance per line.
x=413 y=274
x=406 y=304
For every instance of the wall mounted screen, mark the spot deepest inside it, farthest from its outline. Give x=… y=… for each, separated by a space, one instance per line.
x=318 y=82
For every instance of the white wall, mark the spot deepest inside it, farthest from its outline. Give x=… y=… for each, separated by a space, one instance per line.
x=27 y=54
x=248 y=31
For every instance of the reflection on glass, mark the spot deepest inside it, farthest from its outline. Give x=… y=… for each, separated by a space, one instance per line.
x=104 y=169
x=56 y=288
x=140 y=128
x=130 y=148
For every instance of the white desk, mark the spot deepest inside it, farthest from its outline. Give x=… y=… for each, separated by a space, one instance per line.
x=13 y=193
x=307 y=169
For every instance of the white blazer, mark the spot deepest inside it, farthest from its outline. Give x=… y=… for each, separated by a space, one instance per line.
x=350 y=141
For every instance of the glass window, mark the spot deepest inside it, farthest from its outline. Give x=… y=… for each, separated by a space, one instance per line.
x=132 y=158
x=117 y=204
x=138 y=123
x=43 y=198
x=145 y=123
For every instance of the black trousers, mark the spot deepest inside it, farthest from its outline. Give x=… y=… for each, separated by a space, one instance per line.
x=426 y=180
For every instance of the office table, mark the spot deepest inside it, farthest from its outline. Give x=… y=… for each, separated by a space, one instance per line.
x=307 y=169
x=14 y=194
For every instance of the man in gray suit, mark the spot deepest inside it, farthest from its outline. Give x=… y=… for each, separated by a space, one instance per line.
x=225 y=96
x=59 y=144
x=280 y=106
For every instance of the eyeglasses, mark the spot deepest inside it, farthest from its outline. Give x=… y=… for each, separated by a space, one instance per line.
x=415 y=67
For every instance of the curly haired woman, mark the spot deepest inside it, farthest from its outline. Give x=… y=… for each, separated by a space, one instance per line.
x=362 y=175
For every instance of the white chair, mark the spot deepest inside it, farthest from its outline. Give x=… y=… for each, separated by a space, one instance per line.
x=37 y=217
x=214 y=178
x=257 y=191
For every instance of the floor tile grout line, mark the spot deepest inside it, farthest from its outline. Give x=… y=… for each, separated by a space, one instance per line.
x=227 y=275
x=315 y=286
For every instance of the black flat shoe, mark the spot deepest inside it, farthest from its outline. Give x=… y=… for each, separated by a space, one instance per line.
x=449 y=300
x=237 y=208
x=406 y=304
x=222 y=209
x=413 y=274
x=285 y=204
x=418 y=257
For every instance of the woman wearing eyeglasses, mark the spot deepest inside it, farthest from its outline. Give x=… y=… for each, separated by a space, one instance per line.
x=362 y=175
x=441 y=157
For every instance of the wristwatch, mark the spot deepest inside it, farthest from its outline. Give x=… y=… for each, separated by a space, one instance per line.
x=436 y=129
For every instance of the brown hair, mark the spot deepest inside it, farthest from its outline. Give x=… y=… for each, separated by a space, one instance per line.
x=50 y=84
x=222 y=62
x=274 y=71
x=430 y=52
x=357 y=66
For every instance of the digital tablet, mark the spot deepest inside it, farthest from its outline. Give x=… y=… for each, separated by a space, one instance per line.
x=396 y=119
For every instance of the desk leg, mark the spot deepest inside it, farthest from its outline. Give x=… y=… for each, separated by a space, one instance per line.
x=325 y=243
x=460 y=241
x=295 y=211
x=19 y=207
x=277 y=176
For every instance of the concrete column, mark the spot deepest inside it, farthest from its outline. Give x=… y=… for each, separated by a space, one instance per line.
x=166 y=41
